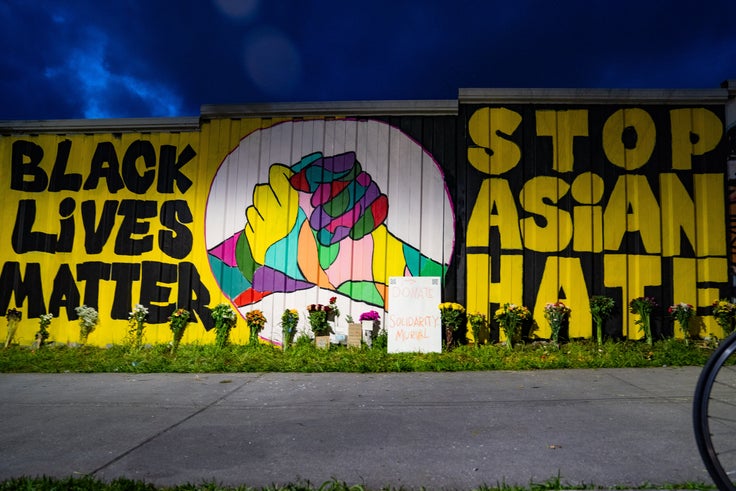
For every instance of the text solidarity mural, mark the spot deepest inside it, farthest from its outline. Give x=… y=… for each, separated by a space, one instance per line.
x=546 y=203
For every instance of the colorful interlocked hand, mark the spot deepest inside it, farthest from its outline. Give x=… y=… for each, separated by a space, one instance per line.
x=320 y=222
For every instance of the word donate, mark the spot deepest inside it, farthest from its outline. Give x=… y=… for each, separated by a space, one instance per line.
x=413 y=321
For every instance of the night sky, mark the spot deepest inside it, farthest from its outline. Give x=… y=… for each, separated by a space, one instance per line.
x=141 y=58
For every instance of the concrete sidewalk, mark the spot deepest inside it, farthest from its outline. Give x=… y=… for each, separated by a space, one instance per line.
x=603 y=427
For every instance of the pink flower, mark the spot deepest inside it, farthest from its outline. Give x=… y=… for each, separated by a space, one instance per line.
x=371 y=315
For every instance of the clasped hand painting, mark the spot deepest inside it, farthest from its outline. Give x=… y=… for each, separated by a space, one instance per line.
x=308 y=209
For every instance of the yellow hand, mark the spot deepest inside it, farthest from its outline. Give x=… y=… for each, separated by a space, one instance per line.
x=388 y=255
x=273 y=213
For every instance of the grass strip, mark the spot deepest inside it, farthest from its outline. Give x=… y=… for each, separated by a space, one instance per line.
x=305 y=357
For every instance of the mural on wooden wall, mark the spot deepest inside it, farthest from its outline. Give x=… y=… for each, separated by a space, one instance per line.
x=305 y=210
x=598 y=200
x=108 y=221
x=525 y=203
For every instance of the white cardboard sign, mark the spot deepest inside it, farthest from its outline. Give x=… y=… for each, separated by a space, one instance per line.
x=413 y=319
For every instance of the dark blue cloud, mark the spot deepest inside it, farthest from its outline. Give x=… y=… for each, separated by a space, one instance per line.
x=84 y=58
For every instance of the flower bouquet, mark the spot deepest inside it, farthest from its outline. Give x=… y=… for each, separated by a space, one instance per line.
x=255 y=320
x=88 y=319
x=332 y=310
x=725 y=313
x=643 y=307
x=371 y=315
x=225 y=319
x=683 y=312
x=453 y=318
x=178 y=324
x=601 y=307
x=369 y=321
x=318 y=319
x=556 y=314
x=289 y=321
x=137 y=324
x=13 y=317
x=478 y=327
x=511 y=317
x=43 y=329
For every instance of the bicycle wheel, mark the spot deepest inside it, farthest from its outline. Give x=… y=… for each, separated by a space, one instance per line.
x=714 y=414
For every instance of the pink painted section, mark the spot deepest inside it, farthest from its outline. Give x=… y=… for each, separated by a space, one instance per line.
x=361 y=269
x=226 y=251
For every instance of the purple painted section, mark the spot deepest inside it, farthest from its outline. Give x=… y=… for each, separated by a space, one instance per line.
x=363 y=179
x=339 y=163
x=321 y=219
x=268 y=279
x=322 y=195
x=371 y=194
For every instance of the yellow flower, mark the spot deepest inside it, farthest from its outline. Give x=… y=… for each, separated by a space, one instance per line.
x=451 y=306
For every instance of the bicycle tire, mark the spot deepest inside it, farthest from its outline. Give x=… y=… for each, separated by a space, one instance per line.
x=714 y=398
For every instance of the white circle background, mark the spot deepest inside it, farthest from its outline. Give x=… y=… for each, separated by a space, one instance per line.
x=420 y=210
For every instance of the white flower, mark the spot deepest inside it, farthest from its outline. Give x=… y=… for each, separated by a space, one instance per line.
x=138 y=313
x=88 y=315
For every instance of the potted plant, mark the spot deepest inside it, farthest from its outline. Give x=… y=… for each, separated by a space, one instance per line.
x=557 y=314
x=453 y=318
x=601 y=308
x=510 y=318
